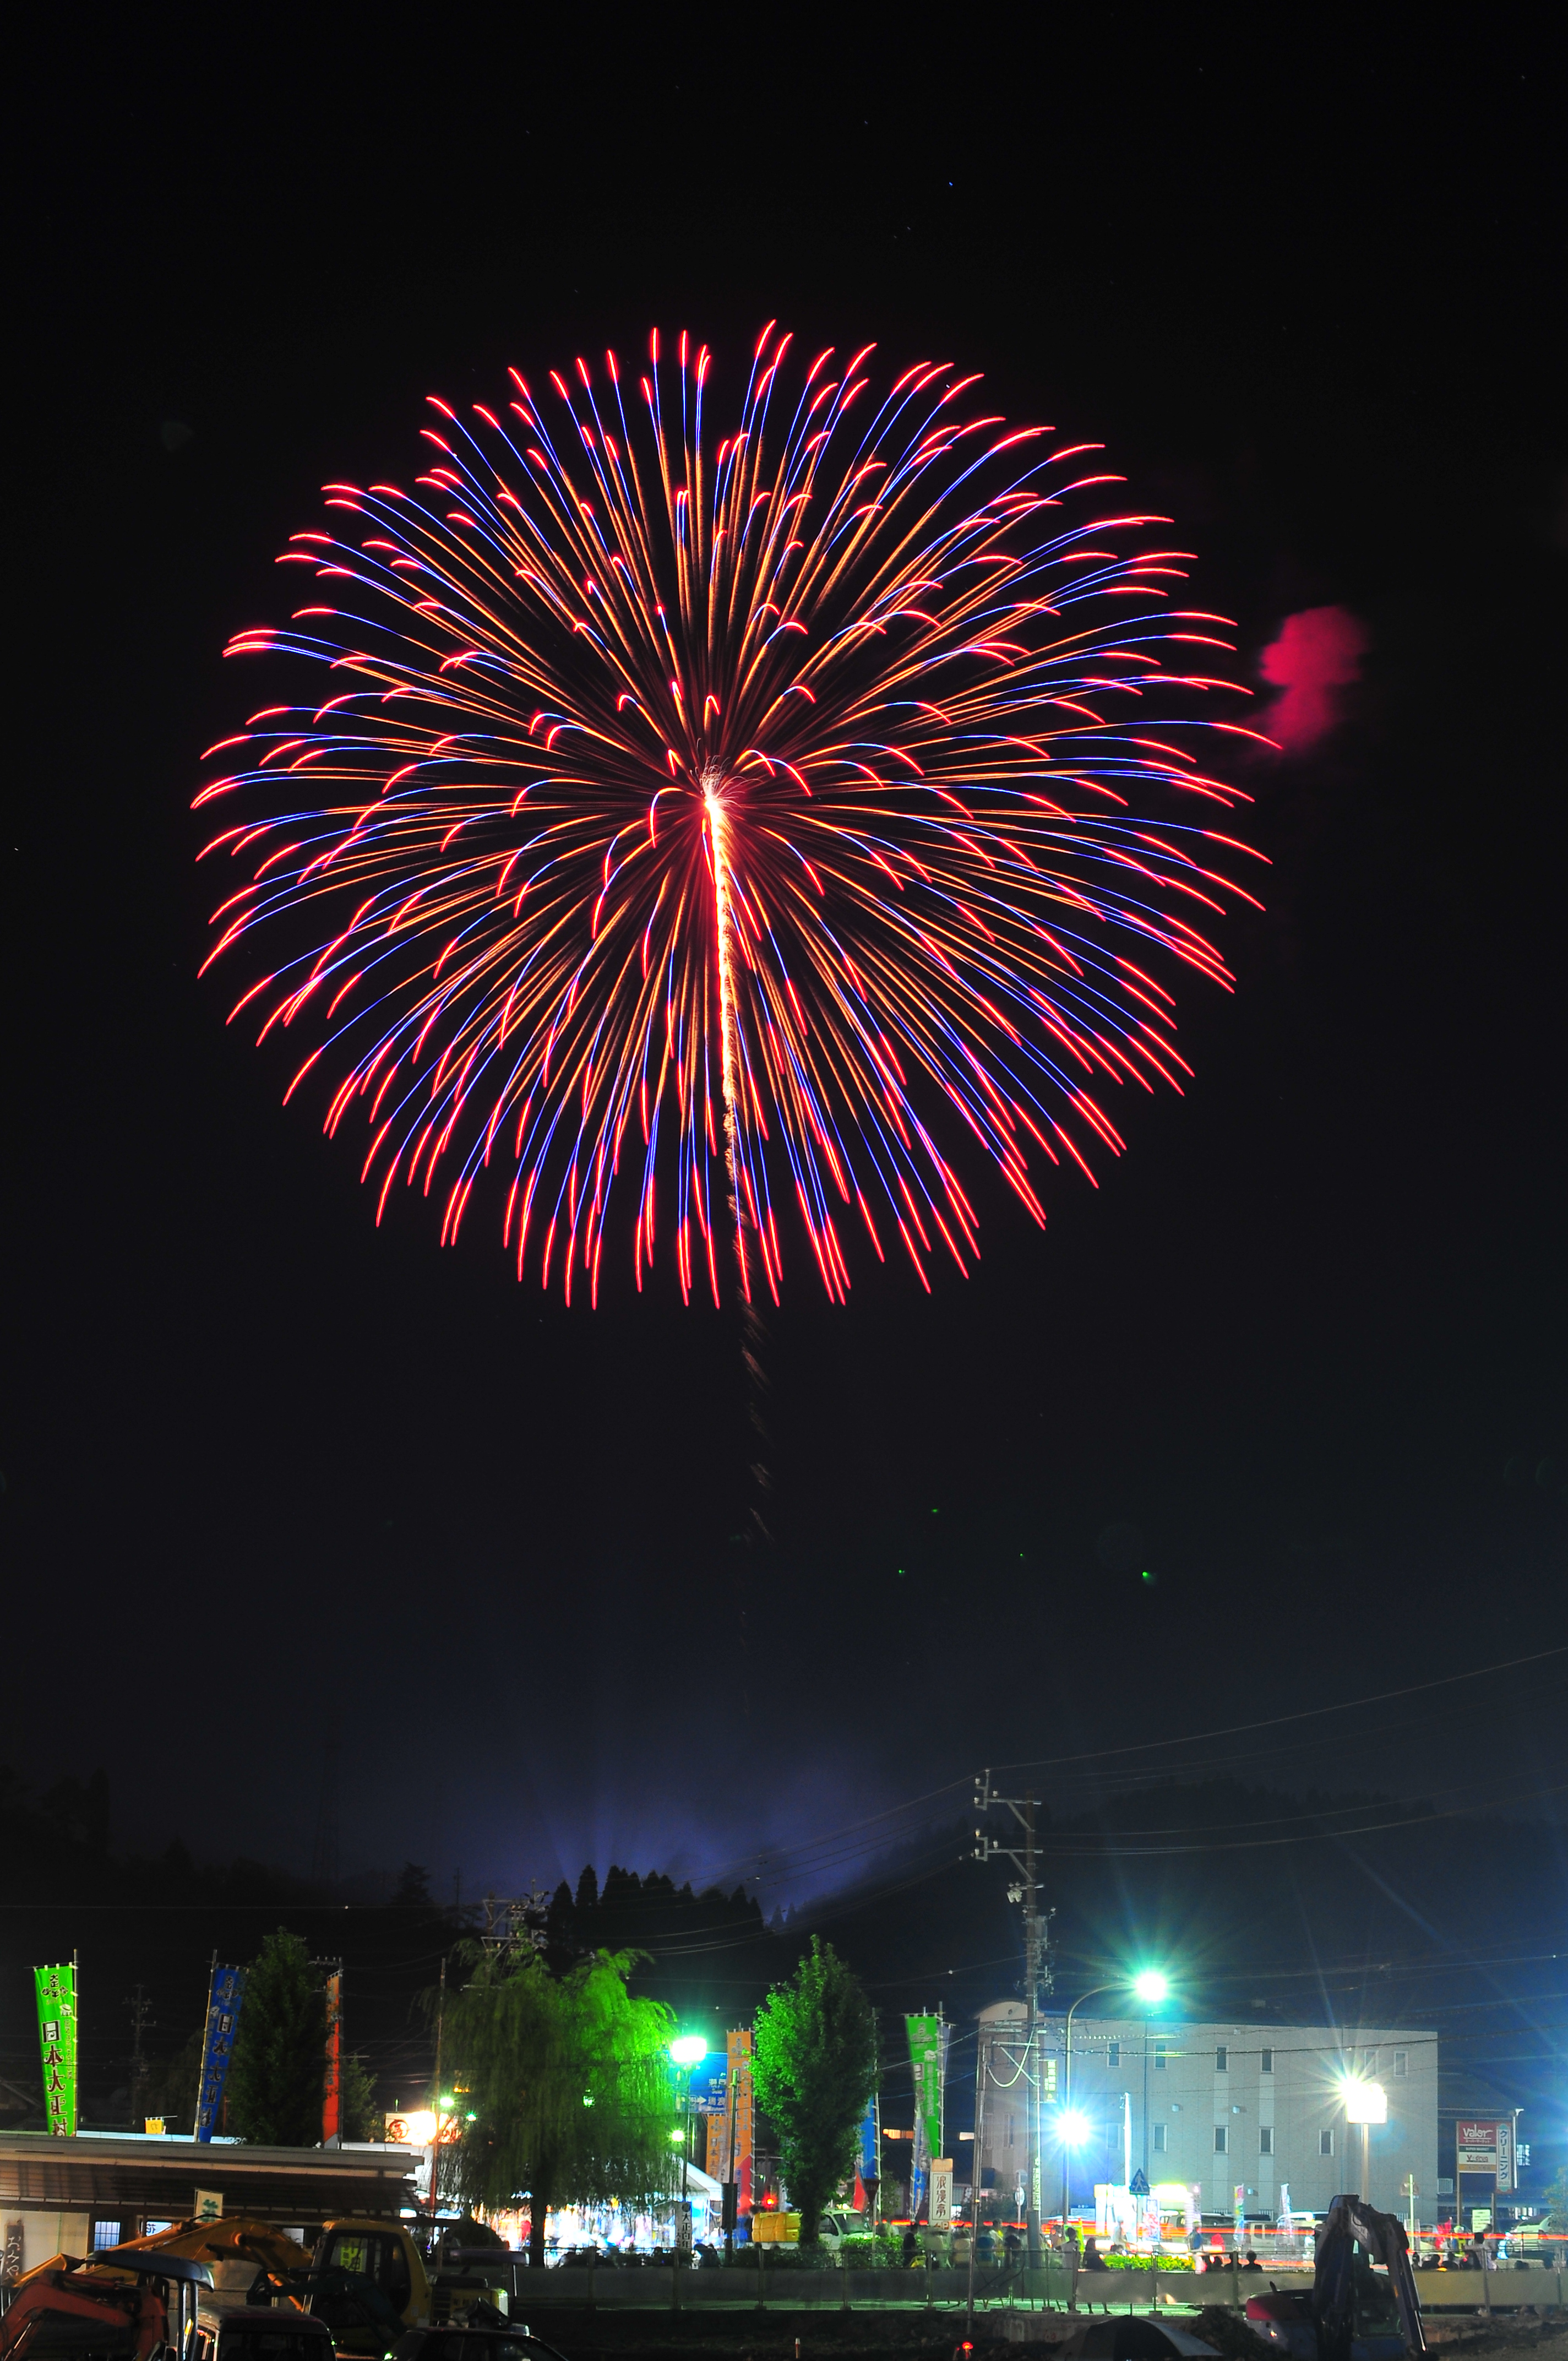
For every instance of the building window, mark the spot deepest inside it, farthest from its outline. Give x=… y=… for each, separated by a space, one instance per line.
x=1265 y=2062
x=1401 y=2064
x=1266 y=2139
x=1222 y=2059
x=1113 y=2054
x=1159 y=2131
x=1326 y=2142
x=1221 y=2139
x=1159 y=2057
x=105 y=2233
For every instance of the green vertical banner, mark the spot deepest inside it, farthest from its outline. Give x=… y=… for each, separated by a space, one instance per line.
x=926 y=2046
x=56 y=1989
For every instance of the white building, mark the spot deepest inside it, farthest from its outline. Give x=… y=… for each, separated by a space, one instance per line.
x=1211 y=2107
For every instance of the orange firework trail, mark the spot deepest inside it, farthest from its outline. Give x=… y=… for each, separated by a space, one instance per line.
x=757 y=814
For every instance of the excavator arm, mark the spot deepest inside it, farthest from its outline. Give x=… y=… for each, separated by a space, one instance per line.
x=1381 y=2237
x=1336 y=2320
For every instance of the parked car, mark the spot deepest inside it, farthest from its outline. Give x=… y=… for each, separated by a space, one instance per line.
x=472 y=2345
x=259 y=2332
x=834 y=2228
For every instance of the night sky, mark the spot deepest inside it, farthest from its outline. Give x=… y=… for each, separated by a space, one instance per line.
x=273 y=1473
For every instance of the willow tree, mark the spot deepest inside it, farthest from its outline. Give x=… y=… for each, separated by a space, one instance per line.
x=815 y=2070
x=567 y=2084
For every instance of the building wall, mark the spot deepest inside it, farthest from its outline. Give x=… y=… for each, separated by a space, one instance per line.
x=1282 y=2079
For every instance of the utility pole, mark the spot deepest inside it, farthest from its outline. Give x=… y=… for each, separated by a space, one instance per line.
x=435 y=2138
x=142 y=2021
x=323 y=1852
x=1020 y=1852
x=514 y=1921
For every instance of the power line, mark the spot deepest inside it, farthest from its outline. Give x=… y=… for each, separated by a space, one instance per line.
x=1308 y=1713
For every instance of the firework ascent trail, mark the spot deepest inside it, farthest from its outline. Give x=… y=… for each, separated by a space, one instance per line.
x=758 y=814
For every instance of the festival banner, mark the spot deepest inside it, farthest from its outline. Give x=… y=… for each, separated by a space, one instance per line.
x=743 y=2116
x=223 y=2017
x=868 y=2159
x=333 y=2126
x=56 y=1989
x=927 y=2055
x=926 y=2048
x=941 y=2216
x=871 y=2148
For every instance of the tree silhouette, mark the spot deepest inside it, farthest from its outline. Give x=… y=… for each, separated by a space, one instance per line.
x=280 y=2054
x=815 y=2069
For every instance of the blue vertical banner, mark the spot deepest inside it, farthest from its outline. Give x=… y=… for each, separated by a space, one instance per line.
x=868 y=2159
x=871 y=2152
x=217 y=2050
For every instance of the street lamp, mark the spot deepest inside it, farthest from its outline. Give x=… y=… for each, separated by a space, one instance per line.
x=1151 y=1987
x=687 y=2051
x=1365 y=2104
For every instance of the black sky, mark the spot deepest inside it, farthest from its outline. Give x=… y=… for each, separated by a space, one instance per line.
x=271 y=1471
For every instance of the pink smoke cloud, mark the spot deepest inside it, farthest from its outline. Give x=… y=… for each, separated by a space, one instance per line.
x=1318 y=653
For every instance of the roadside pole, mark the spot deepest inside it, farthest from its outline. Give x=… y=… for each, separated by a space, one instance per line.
x=435 y=2137
x=1036 y=1974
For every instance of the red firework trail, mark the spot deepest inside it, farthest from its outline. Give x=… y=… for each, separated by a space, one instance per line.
x=776 y=795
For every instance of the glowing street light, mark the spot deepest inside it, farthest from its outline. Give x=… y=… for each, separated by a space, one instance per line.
x=1151 y=1986
x=1072 y=2128
x=688 y=2051
x=1366 y=2103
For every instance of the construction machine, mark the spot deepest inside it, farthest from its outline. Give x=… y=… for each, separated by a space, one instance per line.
x=366 y=2280
x=1349 y=2314
x=70 y=2310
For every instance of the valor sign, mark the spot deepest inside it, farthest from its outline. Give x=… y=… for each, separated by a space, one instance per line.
x=1487 y=2148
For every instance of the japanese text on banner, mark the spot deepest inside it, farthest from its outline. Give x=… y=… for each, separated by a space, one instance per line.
x=56 y=1989
x=223 y=2020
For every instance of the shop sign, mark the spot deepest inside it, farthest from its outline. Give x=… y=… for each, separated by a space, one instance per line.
x=1487 y=2148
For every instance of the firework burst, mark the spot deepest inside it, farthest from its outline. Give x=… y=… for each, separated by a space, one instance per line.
x=696 y=827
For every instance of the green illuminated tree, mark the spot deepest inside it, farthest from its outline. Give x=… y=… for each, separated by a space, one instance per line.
x=279 y=2053
x=567 y=2083
x=815 y=2070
